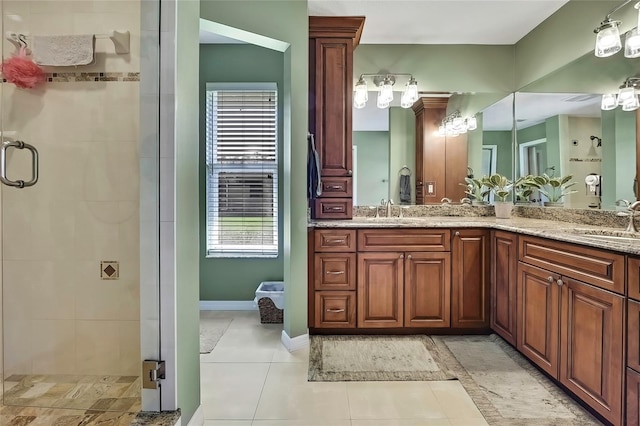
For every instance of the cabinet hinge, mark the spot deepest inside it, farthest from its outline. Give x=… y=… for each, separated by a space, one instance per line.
x=152 y=372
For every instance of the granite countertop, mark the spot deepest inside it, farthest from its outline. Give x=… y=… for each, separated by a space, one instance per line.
x=552 y=229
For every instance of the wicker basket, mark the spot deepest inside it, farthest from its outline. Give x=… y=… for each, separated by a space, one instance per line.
x=269 y=314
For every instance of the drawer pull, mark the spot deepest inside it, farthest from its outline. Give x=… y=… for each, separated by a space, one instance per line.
x=335 y=311
x=335 y=272
x=335 y=209
x=560 y=283
x=334 y=187
x=335 y=241
x=550 y=279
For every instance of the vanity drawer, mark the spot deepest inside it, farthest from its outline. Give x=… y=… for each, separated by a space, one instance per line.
x=337 y=187
x=597 y=267
x=633 y=277
x=335 y=271
x=404 y=240
x=335 y=309
x=335 y=240
x=333 y=208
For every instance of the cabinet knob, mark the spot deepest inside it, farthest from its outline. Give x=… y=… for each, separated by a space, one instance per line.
x=350 y=172
x=409 y=257
x=457 y=234
x=550 y=279
x=402 y=256
x=560 y=283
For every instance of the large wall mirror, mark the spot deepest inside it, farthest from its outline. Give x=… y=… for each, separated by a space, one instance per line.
x=384 y=144
x=561 y=130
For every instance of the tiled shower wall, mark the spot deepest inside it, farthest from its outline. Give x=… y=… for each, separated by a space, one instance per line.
x=60 y=317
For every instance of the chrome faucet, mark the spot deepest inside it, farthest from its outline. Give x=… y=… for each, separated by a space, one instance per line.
x=631 y=211
x=389 y=204
x=446 y=200
x=465 y=200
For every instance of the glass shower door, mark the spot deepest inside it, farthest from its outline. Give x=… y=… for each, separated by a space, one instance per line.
x=72 y=163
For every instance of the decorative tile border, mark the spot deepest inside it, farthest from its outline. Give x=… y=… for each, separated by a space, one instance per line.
x=72 y=77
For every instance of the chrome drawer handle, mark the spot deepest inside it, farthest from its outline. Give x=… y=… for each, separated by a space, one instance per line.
x=335 y=241
x=335 y=208
x=335 y=272
x=334 y=187
x=335 y=311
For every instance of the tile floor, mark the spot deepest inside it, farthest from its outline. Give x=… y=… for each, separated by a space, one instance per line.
x=250 y=379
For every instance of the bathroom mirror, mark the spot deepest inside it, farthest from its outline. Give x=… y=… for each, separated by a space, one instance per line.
x=561 y=130
x=384 y=144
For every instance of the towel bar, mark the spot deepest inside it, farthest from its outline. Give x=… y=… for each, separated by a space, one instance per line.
x=121 y=39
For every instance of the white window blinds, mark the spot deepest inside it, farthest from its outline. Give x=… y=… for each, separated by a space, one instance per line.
x=242 y=171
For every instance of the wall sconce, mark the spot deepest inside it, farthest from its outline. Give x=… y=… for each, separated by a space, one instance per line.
x=608 y=36
x=454 y=125
x=627 y=96
x=384 y=83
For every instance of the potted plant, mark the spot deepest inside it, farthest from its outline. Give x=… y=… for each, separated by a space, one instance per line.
x=523 y=188
x=554 y=188
x=500 y=186
x=476 y=190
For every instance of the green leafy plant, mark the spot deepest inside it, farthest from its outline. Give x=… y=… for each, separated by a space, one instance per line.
x=475 y=188
x=498 y=184
x=523 y=188
x=554 y=188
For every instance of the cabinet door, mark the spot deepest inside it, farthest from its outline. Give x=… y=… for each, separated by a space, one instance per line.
x=592 y=346
x=427 y=289
x=333 y=88
x=504 y=284
x=380 y=290
x=633 y=334
x=335 y=309
x=470 y=279
x=633 y=398
x=538 y=317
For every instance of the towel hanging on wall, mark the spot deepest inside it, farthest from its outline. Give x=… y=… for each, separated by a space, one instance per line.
x=314 y=183
x=63 y=50
x=405 y=185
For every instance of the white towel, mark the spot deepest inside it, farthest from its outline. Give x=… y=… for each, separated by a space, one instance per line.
x=63 y=50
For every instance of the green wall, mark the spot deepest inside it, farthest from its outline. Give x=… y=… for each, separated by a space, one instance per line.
x=503 y=140
x=285 y=21
x=225 y=278
x=373 y=167
x=186 y=209
x=619 y=158
x=402 y=144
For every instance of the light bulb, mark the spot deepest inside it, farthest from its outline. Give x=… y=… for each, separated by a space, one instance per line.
x=411 y=90
x=381 y=102
x=405 y=101
x=472 y=123
x=360 y=94
x=386 y=90
x=625 y=94
x=631 y=104
x=607 y=39
x=609 y=102
x=632 y=44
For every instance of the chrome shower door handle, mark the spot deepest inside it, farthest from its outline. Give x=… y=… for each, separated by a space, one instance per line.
x=3 y=164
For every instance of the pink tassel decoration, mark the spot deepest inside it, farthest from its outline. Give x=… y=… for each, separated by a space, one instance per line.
x=22 y=71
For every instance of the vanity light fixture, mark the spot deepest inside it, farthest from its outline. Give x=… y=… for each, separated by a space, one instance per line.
x=454 y=125
x=627 y=96
x=608 y=36
x=384 y=83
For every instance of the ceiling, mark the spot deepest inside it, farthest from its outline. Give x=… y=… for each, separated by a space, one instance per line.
x=441 y=22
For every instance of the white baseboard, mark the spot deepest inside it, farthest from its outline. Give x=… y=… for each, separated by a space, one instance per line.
x=198 y=417
x=298 y=342
x=228 y=305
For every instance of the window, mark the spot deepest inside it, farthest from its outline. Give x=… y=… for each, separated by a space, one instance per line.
x=242 y=170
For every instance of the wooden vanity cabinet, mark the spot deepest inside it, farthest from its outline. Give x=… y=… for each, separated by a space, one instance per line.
x=403 y=278
x=332 y=277
x=504 y=249
x=470 y=278
x=633 y=342
x=572 y=329
x=331 y=44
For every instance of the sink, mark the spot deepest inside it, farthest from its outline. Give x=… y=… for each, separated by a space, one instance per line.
x=606 y=234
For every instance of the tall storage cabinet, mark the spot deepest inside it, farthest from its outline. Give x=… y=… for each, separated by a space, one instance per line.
x=331 y=44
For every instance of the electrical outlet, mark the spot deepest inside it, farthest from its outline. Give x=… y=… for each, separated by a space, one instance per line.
x=430 y=188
